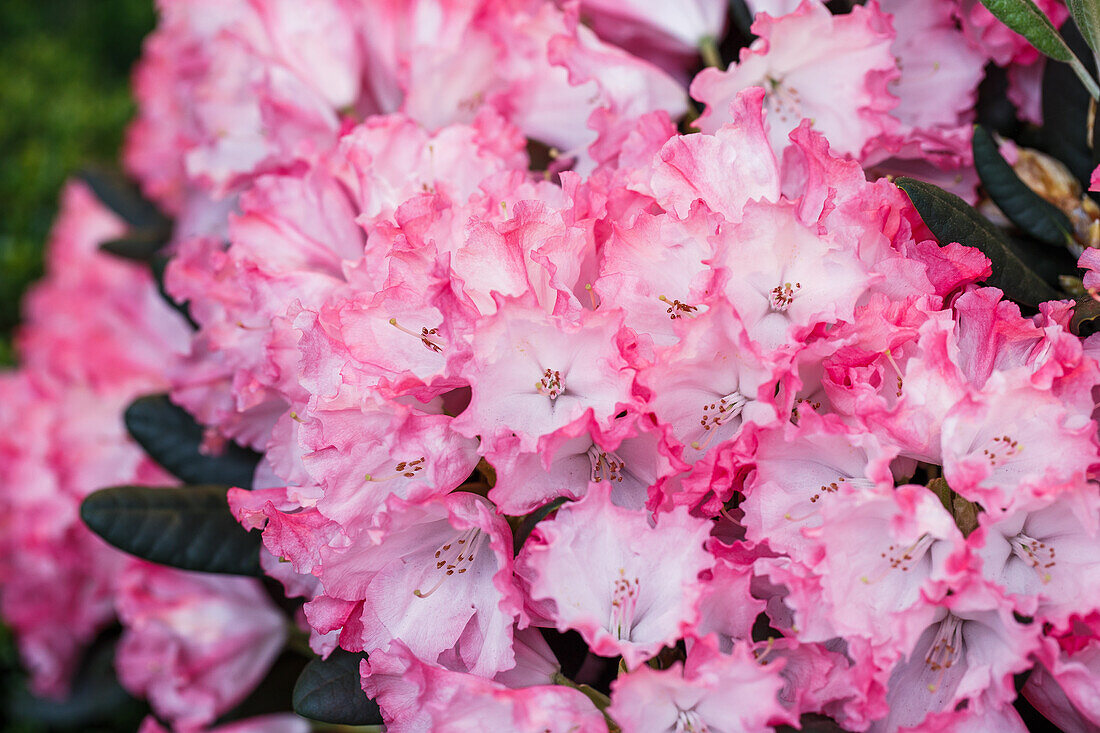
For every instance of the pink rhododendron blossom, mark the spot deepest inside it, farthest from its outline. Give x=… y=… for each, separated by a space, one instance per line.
x=801 y=469
x=969 y=651
x=629 y=587
x=712 y=691
x=435 y=575
x=531 y=375
x=567 y=420
x=96 y=336
x=277 y=723
x=788 y=277
x=1065 y=688
x=667 y=33
x=195 y=644
x=813 y=65
x=711 y=382
x=415 y=696
x=1044 y=557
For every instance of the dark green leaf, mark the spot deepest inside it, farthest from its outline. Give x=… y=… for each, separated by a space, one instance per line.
x=1086 y=14
x=953 y=220
x=1085 y=314
x=272 y=694
x=158 y=263
x=995 y=111
x=1024 y=17
x=1049 y=263
x=1028 y=210
x=189 y=527
x=813 y=723
x=172 y=438
x=330 y=691
x=121 y=196
x=527 y=525
x=96 y=697
x=741 y=15
x=139 y=245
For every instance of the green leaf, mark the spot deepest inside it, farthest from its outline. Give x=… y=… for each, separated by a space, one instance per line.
x=329 y=690
x=741 y=15
x=527 y=524
x=172 y=438
x=1028 y=210
x=158 y=263
x=96 y=697
x=189 y=527
x=139 y=245
x=953 y=220
x=1086 y=13
x=813 y=723
x=1085 y=313
x=121 y=196
x=1024 y=17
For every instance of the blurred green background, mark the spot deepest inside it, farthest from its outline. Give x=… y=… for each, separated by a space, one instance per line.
x=64 y=102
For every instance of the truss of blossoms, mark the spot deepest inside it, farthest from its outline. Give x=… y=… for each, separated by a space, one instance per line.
x=608 y=365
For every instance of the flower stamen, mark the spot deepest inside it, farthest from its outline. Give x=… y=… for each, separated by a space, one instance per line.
x=1039 y=555
x=606 y=466
x=447 y=564
x=408 y=469
x=428 y=336
x=624 y=601
x=551 y=384
x=676 y=309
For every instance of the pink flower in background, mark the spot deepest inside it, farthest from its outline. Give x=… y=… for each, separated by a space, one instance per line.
x=195 y=644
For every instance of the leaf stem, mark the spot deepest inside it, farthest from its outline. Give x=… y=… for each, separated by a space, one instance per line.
x=1085 y=77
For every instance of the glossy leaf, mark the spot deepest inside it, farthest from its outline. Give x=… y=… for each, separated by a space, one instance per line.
x=329 y=690
x=121 y=196
x=139 y=246
x=527 y=524
x=953 y=220
x=189 y=527
x=813 y=723
x=1025 y=208
x=95 y=698
x=1085 y=314
x=172 y=438
x=158 y=263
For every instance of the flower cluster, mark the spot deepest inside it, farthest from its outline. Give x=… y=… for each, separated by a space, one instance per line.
x=571 y=418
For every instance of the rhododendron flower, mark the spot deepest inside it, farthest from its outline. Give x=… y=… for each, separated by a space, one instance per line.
x=628 y=587
x=813 y=65
x=712 y=691
x=435 y=575
x=415 y=696
x=532 y=375
x=561 y=419
x=195 y=644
